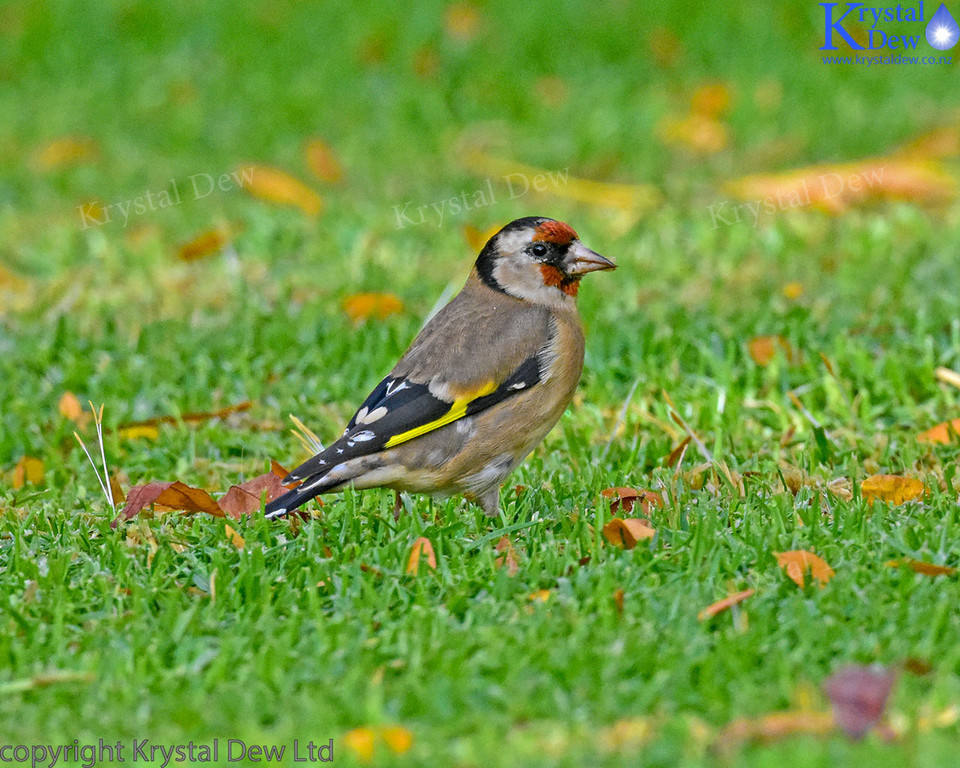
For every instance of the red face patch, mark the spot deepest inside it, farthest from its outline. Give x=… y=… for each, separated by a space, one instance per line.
x=555 y=278
x=555 y=232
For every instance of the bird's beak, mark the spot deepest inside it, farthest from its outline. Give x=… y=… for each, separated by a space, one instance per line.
x=585 y=260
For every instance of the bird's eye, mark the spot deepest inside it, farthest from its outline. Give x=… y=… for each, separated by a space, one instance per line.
x=538 y=249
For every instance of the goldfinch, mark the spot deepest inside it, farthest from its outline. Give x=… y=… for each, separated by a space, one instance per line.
x=479 y=387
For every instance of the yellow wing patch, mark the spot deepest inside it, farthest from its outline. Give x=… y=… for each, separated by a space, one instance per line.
x=458 y=409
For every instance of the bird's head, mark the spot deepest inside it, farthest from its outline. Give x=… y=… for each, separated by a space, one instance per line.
x=539 y=260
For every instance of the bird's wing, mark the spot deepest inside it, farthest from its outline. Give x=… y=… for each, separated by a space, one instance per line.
x=431 y=388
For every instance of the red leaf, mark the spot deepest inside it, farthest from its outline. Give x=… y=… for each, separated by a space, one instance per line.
x=244 y=499
x=175 y=495
x=858 y=695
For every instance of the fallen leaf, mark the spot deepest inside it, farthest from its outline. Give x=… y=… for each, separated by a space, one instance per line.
x=711 y=99
x=235 y=538
x=244 y=499
x=699 y=133
x=540 y=596
x=145 y=431
x=945 y=433
x=918 y=566
x=28 y=470
x=397 y=738
x=421 y=548
x=625 y=498
x=722 y=605
x=895 y=489
x=174 y=495
x=362 y=306
x=462 y=21
x=204 y=244
x=323 y=162
x=508 y=557
x=117 y=490
x=764 y=348
x=676 y=453
x=626 y=532
x=859 y=695
x=773 y=727
x=65 y=152
x=360 y=741
x=69 y=407
x=275 y=186
x=190 y=417
x=618 y=596
x=797 y=562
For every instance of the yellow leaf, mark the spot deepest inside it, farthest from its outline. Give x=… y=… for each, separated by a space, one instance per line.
x=146 y=431
x=360 y=742
x=204 y=244
x=65 y=152
x=944 y=433
x=626 y=532
x=361 y=306
x=275 y=186
x=235 y=538
x=540 y=596
x=421 y=548
x=793 y=290
x=896 y=489
x=27 y=470
x=397 y=738
x=926 y=569
x=722 y=605
x=69 y=407
x=797 y=562
x=323 y=162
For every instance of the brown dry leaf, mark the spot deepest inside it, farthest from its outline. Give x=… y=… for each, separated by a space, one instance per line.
x=244 y=499
x=626 y=532
x=397 y=738
x=28 y=470
x=945 y=433
x=918 y=566
x=711 y=99
x=323 y=162
x=896 y=489
x=764 y=348
x=625 y=498
x=422 y=548
x=677 y=452
x=130 y=428
x=859 y=695
x=462 y=21
x=722 y=605
x=117 y=490
x=360 y=741
x=797 y=562
x=618 y=595
x=476 y=238
x=235 y=538
x=69 y=407
x=66 y=152
x=508 y=556
x=176 y=496
x=276 y=186
x=773 y=727
x=205 y=244
x=362 y=306
x=698 y=133
x=834 y=188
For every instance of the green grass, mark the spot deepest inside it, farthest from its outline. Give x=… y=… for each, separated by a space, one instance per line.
x=313 y=630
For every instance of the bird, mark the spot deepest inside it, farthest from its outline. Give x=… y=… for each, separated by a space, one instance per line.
x=480 y=386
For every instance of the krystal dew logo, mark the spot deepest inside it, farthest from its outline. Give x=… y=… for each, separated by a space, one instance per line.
x=941 y=32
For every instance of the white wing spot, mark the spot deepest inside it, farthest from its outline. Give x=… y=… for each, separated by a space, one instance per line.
x=395 y=386
x=361 y=415
x=376 y=413
x=361 y=437
x=518 y=385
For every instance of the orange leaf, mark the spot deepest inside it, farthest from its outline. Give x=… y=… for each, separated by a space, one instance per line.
x=763 y=349
x=360 y=742
x=508 y=556
x=175 y=495
x=896 y=489
x=625 y=498
x=944 y=433
x=65 y=152
x=626 y=532
x=361 y=306
x=28 y=470
x=797 y=562
x=235 y=538
x=69 y=407
x=397 y=738
x=204 y=244
x=927 y=569
x=323 y=162
x=421 y=548
x=540 y=596
x=275 y=186
x=858 y=695
x=721 y=605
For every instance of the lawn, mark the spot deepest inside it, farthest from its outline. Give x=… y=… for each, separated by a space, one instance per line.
x=800 y=347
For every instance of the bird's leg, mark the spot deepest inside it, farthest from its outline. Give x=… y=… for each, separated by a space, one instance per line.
x=397 y=506
x=490 y=502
